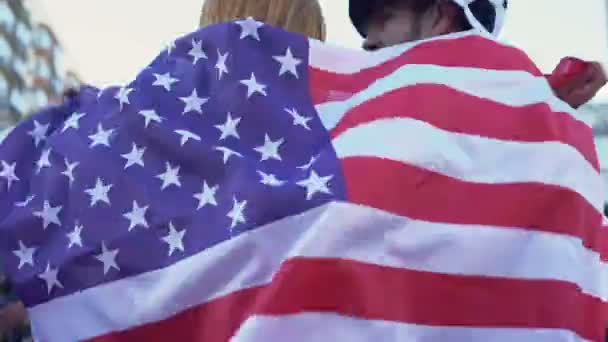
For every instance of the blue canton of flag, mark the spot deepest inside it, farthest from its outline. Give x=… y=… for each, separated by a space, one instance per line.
x=215 y=138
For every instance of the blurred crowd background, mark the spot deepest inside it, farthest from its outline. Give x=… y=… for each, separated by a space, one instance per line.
x=33 y=71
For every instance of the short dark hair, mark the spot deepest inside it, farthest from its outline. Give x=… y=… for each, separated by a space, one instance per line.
x=482 y=9
x=484 y=12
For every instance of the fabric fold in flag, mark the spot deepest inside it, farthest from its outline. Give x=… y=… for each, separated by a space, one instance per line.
x=255 y=186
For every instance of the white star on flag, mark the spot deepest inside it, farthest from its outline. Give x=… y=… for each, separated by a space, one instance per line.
x=270 y=149
x=100 y=93
x=149 y=116
x=174 y=239
x=315 y=184
x=197 y=51
x=194 y=103
x=137 y=216
x=170 y=176
x=253 y=86
x=8 y=173
x=229 y=128
x=270 y=179
x=249 y=28
x=221 y=64
x=101 y=137
x=164 y=80
x=135 y=157
x=44 y=160
x=186 y=136
x=206 y=196
x=227 y=153
x=170 y=47
x=27 y=201
x=236 y=214
x=298 y=120
x=69 y=170
x=123 y=96
x=25 y=255
x=288 y=63
x=99 y=193
x=49 y=214
x=73 y=121
x=108 y=258
x=50 y=277
x=74 y=236
x=39 y=132
x=308 y=165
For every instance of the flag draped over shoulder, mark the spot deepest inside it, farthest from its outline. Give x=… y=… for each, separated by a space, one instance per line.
x=252 y=185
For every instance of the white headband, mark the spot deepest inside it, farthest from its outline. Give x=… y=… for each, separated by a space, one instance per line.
x=498 y=23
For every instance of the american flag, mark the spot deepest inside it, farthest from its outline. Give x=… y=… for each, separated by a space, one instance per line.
x=252 y=185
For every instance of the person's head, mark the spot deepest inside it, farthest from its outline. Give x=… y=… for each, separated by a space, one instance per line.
x=299 y=16
x=389 y=22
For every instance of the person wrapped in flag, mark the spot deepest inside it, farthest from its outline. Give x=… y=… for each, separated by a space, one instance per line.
x=300 y=16
x=389 y=22
x=254 y=185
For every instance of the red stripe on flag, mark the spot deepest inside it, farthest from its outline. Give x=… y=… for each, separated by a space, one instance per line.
x=215 y=321
x=375 y=292
x=425 y=195
x=458 y=112
x=446 y=52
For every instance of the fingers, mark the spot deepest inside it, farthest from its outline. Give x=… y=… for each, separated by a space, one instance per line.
x=594 y=80
x=578 y=80
x=596 y=75
x=580 y=87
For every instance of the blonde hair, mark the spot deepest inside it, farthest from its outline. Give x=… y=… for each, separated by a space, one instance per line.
x=299 y=16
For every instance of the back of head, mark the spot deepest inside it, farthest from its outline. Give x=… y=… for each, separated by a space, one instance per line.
x=482 y=11
x=389 y=22
x=299 y=16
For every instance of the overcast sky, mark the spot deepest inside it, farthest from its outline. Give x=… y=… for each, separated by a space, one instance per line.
x=110 y=40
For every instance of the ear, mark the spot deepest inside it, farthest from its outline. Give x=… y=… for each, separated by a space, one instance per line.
x=443 y=19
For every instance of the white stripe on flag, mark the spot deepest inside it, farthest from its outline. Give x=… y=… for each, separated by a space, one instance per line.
x=512 y=88
x=473 y=158
x=336 y=230
x=341 y=60
x=323 y=327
